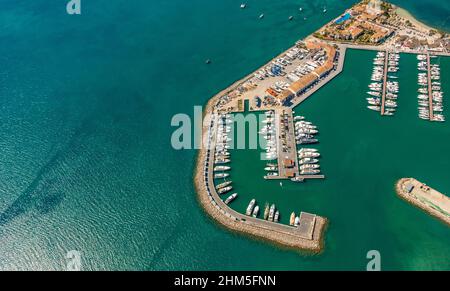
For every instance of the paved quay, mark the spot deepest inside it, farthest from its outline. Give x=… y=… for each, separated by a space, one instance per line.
x=423 y=196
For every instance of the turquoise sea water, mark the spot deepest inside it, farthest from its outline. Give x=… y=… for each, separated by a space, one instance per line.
x=86 y=162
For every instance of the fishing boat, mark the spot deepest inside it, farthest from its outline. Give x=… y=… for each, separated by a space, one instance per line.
x=266 y=211
x=255 y=211
x=250 y=207
x=231 y=198
x=292 y=219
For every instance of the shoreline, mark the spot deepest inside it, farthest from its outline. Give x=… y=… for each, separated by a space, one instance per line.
x=412 y=199
x=408 y=16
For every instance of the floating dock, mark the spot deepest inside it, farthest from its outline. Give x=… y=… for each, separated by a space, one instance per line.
x=425 y=197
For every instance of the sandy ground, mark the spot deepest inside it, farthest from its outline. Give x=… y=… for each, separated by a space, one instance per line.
x=405 y=14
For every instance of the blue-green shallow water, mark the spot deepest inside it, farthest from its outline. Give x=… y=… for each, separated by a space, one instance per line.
x=86 y=162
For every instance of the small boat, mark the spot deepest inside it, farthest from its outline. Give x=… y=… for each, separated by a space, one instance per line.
x=292 y=219
x=243 y=5
x=296 y=221
x=222 y=161
x=224 y=190
x=309 y=172
x=231 y=198
x=221 y=168
x=291 y=17
x=307 y=141
x=271 y=212
x=298 y=179
x=224 y=184
x=309 y=166
x=375 y=108
x=250 y=207
x=271 y=168
x=276 y=218
x=255 y=211
x=261 y=16
x=307 y=150
x=266 y=211
x=221 y=175
x=308 y=161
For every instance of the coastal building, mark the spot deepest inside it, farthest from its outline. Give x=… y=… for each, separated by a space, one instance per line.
x=304 y=83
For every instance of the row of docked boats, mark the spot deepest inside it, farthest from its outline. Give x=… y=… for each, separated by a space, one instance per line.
x=222 y=157
x=305 y=131
x=271 y=213
x=294 y=220
x=428 y=80
x=308 y=159
x=382 y=59
x=252 y=209
x=268 y=132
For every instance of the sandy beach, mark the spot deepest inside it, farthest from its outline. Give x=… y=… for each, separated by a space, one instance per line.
x=408 y=16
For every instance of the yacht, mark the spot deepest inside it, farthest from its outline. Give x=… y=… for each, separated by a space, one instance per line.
x=298 y=179
x=292 y=219
x=296 y=221
x=376 y=108
x=277 y=216
x=224 y=190
x=266 y=211
x=250 y=207
x=308 y=155
x=221 y=175
x=231 y=198
x=255 y=211
x=221 y=168
x=307 y=141
x=308 y=161
x=223 y=185
x=271 y=212
x=310 y=172
x=309 y=166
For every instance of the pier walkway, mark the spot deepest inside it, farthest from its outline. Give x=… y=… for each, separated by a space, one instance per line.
x=430 y=92
x=385 y=71
x=287 y=151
